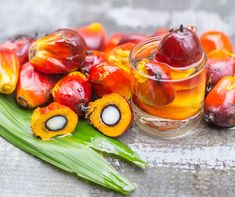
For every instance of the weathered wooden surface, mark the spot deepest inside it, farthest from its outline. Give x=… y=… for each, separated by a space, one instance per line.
x=198 y=165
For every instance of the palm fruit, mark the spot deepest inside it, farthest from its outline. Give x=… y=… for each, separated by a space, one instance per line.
x=53 y=120
x=111 y=114
x=9 y=71
x=60 y=52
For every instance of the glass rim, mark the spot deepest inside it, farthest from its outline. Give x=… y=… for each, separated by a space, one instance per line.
x=158 y=38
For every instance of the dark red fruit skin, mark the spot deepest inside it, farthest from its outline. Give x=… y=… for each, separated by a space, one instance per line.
x=217 y=69
x=60 y=52
x=180 y=48
x=20 y=45
x=73 y=91
x=93 y=57
x=219 y=106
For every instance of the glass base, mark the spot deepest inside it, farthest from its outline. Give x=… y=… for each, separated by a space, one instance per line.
x=165 y=128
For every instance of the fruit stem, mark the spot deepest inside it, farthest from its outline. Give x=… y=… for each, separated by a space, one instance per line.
x=83 y=108
x=181 y=28
x=158 y=76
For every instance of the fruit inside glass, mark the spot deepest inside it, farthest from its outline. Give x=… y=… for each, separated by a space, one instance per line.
x=168 y=108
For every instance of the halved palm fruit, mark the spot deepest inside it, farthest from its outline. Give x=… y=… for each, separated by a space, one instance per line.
x=112 y=114
x=53 y=120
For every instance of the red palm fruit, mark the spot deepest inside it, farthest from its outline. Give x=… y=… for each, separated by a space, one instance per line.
x=33 y=87
x=106 y=78
x=220 y=103
x=180 y=48
x=60 y=52
x=212 y=40
x=93 y=57
x=220 y=63
x=20 y=45
x=94 y=36
x=73 y=91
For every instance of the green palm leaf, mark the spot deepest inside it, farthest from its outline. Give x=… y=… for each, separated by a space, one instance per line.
x=72 y=153
x=89 y=135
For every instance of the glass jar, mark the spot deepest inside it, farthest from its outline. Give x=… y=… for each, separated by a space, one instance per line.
x=167 y=108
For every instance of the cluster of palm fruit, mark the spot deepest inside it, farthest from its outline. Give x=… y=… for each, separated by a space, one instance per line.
x=73 y=67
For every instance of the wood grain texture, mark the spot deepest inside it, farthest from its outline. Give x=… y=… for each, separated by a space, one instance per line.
x=199 y=165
